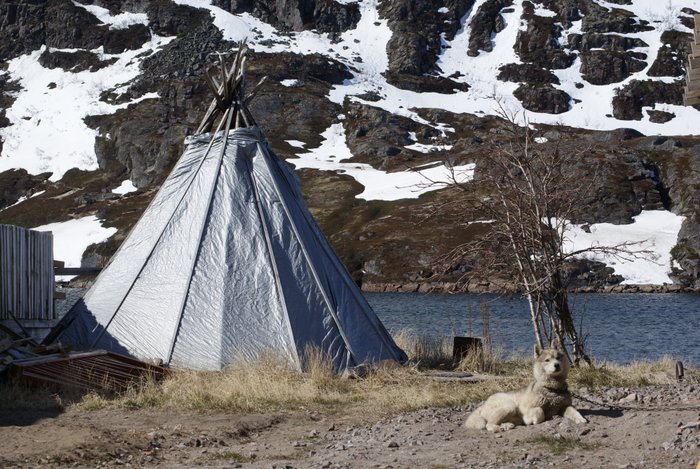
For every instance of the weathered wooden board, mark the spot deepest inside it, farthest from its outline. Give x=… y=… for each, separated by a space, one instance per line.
x=26 y=274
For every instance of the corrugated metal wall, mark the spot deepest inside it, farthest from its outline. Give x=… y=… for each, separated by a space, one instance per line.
x=26 y=273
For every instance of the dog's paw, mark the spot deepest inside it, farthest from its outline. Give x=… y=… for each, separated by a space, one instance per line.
x=506 y=426
x=574 y=415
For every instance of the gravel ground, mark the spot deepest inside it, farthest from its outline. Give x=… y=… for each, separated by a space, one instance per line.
x=646 y=433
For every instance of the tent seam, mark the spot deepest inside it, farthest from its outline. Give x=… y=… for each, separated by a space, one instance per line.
x=333 y=311
x=268 y=245
x=227 y=118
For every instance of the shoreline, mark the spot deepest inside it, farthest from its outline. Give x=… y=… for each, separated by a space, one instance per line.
x=505 y=288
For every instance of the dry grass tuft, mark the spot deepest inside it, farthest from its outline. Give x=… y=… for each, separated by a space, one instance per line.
x=641 y=373
x=270 y=384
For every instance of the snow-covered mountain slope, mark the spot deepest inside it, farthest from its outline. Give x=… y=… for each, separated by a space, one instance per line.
x=387 y=95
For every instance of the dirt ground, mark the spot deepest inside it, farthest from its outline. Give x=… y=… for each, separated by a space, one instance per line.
x=427 y=438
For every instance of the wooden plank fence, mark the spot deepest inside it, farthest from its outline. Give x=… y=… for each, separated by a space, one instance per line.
x=691 y=95
x=26 y=274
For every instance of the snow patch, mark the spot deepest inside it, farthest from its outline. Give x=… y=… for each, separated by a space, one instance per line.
x=71 y=238
x=47 y=131
x=653 y=230
x=125 y=187
x=334 y=155
x=289 y=83
x=428 y=148
x=120 y=21
x=296 y=143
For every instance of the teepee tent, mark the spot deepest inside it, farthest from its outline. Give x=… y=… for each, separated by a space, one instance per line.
x=227 y=263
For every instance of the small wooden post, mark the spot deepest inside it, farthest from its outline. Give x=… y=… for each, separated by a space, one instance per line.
x=463 y=346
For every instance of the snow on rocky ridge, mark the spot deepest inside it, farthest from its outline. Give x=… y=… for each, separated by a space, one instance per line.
x=47 y=132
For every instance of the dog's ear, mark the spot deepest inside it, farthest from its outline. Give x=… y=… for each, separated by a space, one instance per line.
x=537 y=350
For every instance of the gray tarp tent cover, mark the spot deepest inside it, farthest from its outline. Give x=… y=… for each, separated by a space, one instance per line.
x=227 y=262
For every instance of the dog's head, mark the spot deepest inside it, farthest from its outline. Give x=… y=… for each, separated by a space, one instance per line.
x=551 y=362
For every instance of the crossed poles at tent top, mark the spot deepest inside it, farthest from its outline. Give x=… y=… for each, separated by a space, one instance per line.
x=228 y=91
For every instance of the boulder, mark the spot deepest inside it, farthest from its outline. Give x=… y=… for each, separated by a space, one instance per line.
x=75 y=61
x=660 y=117
x=543 y=98
x=527 y=73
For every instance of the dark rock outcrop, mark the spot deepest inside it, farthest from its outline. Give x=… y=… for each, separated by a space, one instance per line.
x=21 y=27
x=583 y=273
x=679 y=166
x=134 y=37
x=543 y=98
x=69 y=26
x=597 y=19
x=672 y=58
x=166 y=18
x=376 y=136
x=7 y=90
x=527 y=73
x=28 y=24
x=416 y=29
x=17 y=183
x=602 y=67
x=311 y=67
x=325 y=16
x=611 y=42
x=660 y=117
x=425 y=84
x=629 y=100
x=567 y=11
x=77 y=61
x=484 y=23
x=539 y=43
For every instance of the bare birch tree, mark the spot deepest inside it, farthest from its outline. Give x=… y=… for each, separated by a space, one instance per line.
x=534 y=194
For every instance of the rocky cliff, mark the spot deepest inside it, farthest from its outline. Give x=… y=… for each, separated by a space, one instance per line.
x=548 y=55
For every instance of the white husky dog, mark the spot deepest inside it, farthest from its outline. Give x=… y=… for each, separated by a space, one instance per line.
x=544 y=398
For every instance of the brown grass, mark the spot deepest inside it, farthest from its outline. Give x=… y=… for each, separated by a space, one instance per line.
x=640 y=373
x=269 y=384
